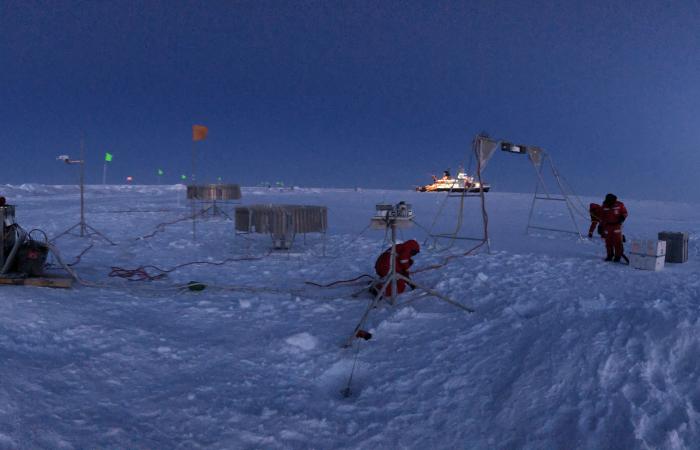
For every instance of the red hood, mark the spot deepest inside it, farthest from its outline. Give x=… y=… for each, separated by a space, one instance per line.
x=408 y=246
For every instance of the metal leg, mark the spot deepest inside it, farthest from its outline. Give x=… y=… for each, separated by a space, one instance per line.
x=562 y=192
x=568 y=202
x=85 y=231
x=393 y=278
x=372 y=305
x=435 y=293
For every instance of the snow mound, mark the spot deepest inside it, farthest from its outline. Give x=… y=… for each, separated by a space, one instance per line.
x=304 y=341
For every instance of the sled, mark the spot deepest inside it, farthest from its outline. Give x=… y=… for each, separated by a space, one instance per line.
x=43 y=281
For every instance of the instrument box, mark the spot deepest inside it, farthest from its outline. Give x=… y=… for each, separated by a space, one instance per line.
x=676 y=246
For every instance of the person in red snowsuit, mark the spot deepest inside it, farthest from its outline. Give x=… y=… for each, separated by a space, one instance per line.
x=594 y=211
x=404 y=260
x=612 y=214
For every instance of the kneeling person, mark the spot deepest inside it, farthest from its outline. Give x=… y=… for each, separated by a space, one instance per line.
x=402 y=262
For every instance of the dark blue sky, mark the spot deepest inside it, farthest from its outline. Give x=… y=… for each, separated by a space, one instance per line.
x=371 y=94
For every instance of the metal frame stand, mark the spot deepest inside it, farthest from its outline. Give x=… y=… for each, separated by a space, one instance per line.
x=544 y=195
x=85 y=229
x=392 y=279
x=462 y=195
x=214 y=209
x=289 y=235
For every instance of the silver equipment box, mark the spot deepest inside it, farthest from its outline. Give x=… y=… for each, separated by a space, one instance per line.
x=282 y=222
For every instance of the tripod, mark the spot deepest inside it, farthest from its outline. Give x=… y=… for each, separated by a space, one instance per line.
x=214 y=209
x=393 y=277
x=85 y=229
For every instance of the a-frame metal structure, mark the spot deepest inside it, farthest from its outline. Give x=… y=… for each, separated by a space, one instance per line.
x=540 y=159
x=480 y=145
x=484 y=148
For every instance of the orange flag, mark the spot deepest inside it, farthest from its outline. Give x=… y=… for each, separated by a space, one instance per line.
x=199 y=132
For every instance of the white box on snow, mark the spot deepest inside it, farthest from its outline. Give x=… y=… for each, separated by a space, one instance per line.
x=648 y=254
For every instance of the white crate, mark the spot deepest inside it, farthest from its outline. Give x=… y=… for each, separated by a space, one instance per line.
x=646 y=262
x=648 y=254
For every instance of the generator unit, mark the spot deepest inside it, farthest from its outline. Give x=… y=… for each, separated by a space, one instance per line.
x=20 y=254
x=8 y=235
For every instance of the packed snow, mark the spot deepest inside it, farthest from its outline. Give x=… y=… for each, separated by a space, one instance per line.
x=563 y=350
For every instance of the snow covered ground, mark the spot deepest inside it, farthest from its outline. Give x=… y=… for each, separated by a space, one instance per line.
x=563 y=351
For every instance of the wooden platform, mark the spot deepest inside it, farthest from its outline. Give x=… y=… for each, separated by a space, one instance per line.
x=45 y=281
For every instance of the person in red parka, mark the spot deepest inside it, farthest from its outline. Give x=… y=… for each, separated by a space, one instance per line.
x=612 y=214
x=594 y=211
x=404 y=260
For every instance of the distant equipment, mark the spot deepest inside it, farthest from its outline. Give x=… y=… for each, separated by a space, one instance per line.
x=282 y=222
x=676 y=246
x=386 y=214
x=214 y=192
x=211 y=195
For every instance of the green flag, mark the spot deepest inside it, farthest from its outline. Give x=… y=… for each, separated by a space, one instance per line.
x=183 y=177
x=160 y=172
x=108 y=157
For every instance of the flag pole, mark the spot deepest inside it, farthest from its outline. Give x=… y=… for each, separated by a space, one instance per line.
x=82 y=185
x=194 y=178
x=104 y=174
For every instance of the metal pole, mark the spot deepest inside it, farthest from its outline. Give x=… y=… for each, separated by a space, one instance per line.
x=104 y=174
x=392 y=267
x=478 y=152
x=82 y=186
x=532 y=206
x=566 y=197
x=194 y=199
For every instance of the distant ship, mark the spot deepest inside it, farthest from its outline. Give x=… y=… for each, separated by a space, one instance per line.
x=463 y=183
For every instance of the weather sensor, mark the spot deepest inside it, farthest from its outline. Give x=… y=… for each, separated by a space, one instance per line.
x=399 y=215
x=513 y=148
